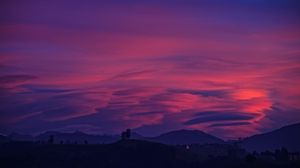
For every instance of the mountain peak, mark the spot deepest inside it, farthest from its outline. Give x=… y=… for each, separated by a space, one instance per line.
x=184 y=136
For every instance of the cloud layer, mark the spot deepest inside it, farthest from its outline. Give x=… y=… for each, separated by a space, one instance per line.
x=229 y=68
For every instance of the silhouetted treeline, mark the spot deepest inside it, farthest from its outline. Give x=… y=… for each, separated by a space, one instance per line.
x=136 y=154
x=126 y=134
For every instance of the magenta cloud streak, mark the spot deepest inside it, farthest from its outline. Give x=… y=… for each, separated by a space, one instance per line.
x=229 y=68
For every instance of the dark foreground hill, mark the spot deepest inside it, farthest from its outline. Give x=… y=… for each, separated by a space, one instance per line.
x=125 y=154
x=287 y=137
x=122 y=154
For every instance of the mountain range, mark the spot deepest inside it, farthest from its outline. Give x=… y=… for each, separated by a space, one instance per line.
x=179 y=137
x=287 y=137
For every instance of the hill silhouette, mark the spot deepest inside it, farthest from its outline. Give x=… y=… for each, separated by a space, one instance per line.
x=181 y=137
x=287 y=137
x=20 y=137
x=4 y=139
x=123 y=154
x=77 y=137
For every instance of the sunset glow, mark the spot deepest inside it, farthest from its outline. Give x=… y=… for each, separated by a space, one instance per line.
x=230 y=68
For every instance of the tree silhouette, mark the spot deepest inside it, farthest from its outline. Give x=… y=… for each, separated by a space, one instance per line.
x=51 y=139
x=126 y=134
x=123 y=135
x=282 y=154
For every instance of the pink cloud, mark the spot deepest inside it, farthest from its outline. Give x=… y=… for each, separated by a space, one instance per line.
x=149 y=66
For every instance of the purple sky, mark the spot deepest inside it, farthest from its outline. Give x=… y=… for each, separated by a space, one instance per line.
x=230 y=68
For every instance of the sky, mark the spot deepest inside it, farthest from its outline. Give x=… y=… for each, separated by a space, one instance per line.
x=229 y=68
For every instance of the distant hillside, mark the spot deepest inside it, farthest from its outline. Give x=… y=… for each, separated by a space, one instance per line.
x=288 y=137
x=3 y=139
x=181 y=137
x=20 y=137
x=76 y=137
x=172 y=138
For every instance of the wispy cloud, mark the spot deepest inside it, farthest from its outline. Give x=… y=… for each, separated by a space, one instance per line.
x=213 y=65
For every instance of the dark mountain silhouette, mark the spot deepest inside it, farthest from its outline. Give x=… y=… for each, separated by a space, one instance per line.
x=20 y=137
x=129 y=154
x=125 y=153
x=137 y=136
x=181 y=137
x=203 y=150
x=4 y=139
x=171 y=138
x=76 y=137
x=287 y=137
